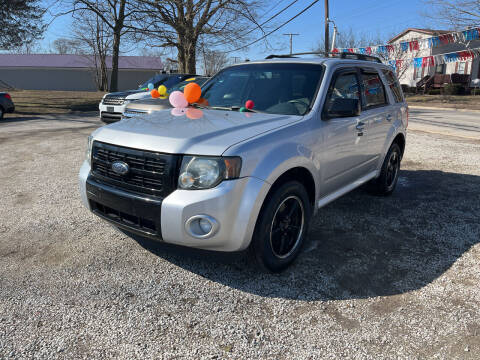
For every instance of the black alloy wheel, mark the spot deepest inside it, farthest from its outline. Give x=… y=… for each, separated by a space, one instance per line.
x=282 y=226
x=287 y=227
x=387 y=180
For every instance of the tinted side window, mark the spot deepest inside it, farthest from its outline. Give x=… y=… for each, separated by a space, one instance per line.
x=373 y=90
x=345 y=86
x=394 y=86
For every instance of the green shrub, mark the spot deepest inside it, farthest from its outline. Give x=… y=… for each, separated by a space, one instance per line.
x=434 y=92
x=454 y=89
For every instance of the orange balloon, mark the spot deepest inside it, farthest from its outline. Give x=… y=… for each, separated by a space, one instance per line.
x=192 y=92
x=203 y=102
x=155 y=94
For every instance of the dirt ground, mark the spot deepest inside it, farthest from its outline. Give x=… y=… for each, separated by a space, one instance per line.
x=380 y=278
x=471 y=102
x=34 y=102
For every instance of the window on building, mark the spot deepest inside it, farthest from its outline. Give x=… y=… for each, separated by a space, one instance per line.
x=461 y=68
x=417 y=73
x=440 y=69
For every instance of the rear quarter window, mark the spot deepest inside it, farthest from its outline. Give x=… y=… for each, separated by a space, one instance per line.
x=373 y=90
x=394 y=85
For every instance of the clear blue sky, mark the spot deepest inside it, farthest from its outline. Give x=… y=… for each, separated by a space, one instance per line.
x=369 y=17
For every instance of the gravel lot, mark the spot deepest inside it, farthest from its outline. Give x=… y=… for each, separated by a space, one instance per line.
x=393 y=277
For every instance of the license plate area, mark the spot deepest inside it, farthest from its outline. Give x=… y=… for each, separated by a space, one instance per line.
x=110 y=108
x=131 y=212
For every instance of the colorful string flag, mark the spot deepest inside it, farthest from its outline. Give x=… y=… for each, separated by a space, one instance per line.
x=428 y=61
x=414 y=45
x=471 y=34
x=434 y=42
x=453 y=57
x=417 y=62
x=420 y=44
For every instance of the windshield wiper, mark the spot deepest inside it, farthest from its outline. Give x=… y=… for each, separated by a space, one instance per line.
x=231 y=108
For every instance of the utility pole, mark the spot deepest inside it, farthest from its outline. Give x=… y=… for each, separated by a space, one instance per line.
x=235 y=58
x=291 y=41
x=335 y=33
x=327 y=32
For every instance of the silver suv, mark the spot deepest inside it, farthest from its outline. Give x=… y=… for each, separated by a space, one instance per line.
x=222 y=177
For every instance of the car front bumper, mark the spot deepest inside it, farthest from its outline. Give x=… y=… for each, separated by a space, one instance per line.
x=233 y=204
x=111 y=113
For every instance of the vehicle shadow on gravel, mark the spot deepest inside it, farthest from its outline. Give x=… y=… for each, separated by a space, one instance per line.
x=361 y=246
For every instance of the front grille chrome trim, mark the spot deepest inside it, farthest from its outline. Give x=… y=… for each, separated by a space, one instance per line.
x=151 y=173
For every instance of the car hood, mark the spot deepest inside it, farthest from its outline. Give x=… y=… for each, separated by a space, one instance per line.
x=190 y=131
x=131 y=94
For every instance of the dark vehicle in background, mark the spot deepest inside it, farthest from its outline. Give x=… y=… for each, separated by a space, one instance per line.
x=6 y=104
x=113 y=104
x=147 y=105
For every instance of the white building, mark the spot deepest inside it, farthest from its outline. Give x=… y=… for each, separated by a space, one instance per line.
x=410 y=75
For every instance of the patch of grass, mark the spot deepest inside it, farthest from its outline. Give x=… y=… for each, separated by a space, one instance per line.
x=33 y=102
x=470 y=102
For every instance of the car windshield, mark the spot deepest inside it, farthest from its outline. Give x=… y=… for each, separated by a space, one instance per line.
x=181 y=85
x=162 y=79
x=154 y=80
x=275 y=88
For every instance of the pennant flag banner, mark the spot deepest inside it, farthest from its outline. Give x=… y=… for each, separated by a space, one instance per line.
x=426 y=61
x=418 y=44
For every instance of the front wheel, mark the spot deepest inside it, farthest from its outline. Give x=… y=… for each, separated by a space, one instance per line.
x=282 y=226
x=387 y=181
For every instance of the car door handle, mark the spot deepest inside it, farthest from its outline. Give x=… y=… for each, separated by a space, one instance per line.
x=389 y=117
x=360 y=126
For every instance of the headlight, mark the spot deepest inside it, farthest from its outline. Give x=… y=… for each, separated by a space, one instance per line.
x=88 y=154
x=201 y=172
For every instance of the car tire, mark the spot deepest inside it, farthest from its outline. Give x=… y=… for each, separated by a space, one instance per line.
x=1 y=113
x=385 y=184
x=282 y=227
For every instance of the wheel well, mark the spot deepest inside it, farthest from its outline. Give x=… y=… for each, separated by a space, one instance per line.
x=400 y=140
x=301 y=175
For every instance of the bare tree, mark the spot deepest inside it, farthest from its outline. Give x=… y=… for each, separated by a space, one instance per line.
x=115 y=15
x=94 y=39
x=456 y=13
x=213 y=61
x=181 y=24
x=20 y=22
x=66 y=46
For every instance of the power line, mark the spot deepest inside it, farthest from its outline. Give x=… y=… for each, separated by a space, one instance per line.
x=256 y=28
x=274 y=30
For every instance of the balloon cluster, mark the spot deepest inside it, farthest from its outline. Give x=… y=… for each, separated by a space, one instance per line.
x=192 y=93
x=161 y=92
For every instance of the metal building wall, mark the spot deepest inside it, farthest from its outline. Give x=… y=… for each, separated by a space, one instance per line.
x=67 y=78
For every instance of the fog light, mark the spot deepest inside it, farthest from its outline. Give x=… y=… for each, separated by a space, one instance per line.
x=201 y=226
x=205 y=225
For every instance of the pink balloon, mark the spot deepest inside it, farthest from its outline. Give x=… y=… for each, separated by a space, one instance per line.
x=177 y=99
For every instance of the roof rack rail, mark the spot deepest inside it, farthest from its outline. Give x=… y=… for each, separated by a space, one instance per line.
x=341 y=55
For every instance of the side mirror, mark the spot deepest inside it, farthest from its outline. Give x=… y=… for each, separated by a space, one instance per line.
x=343 y=108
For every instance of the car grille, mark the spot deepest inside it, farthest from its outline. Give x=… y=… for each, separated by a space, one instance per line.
x=150 y=173
x=113 y=100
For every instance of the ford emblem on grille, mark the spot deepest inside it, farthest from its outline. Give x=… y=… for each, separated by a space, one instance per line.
x=120 y=168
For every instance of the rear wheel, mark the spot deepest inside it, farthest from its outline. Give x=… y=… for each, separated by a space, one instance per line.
x=282 y=227
x=387 y=181
x=1 y=113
